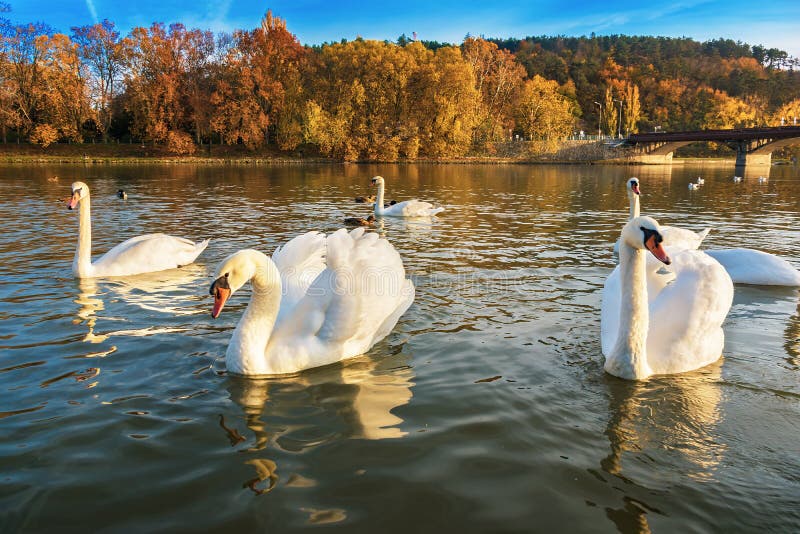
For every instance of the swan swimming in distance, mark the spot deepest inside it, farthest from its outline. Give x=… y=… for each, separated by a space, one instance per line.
x=677 y=329
x=673 y=236
x=408 y=208
x=317 y=301
x=142 y=254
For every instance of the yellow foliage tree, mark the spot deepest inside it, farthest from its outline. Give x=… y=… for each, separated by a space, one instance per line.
x=542 y=112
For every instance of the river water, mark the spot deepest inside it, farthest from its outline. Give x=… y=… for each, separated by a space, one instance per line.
x=486 y=410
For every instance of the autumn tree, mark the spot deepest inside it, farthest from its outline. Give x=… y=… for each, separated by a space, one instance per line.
x=498 y=76
x=632 y=108
x=24 y=48
x=103 y=53
x=542 y=112
x=261 y=90
x=66 y=100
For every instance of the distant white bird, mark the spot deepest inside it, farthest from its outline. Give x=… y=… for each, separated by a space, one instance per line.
x=408 y=208
x=762 y=180
x=700 y=181
x=693 y=186
x=737 y=179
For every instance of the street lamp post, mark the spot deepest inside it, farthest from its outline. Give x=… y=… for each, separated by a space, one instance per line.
x=619 y=123
x=599 y=120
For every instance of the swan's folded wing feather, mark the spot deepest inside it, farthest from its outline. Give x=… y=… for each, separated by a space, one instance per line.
x=148 y=253
x=412 y=208
x=682 y=238
x=348 y=304
x=686 y=317
x=749 y=266
x=299 y=261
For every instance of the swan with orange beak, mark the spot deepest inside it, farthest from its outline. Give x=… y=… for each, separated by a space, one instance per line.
x=676 y=329
x=142 y=254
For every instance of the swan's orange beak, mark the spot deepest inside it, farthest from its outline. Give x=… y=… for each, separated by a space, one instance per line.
x=635 y=188
x=73 y=200
x=220 y=290
x=658 y=251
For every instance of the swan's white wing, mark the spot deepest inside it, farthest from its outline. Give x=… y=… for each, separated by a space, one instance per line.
x=686 y=316
x=681 y=238
x=657 y=279
x=411 y=208
x=349 y=307
x=299 y=261
x=148 y=253
x=748 y=266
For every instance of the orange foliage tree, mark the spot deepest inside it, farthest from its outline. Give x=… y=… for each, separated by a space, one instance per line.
x=261 y=89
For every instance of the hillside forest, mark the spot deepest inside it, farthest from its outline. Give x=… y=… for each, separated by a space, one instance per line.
x=261 y=89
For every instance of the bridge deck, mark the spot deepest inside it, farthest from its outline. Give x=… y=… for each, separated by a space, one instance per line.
x=741 y=134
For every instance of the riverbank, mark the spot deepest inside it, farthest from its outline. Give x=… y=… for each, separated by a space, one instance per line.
x=564 y=153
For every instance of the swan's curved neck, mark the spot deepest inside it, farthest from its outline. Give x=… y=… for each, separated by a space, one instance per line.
x=628 y=358
x=634 y=205
x=379 y=199
x=82 y=264
x=247 y=349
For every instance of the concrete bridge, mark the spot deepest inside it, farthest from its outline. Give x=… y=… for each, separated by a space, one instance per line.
x=753 y=146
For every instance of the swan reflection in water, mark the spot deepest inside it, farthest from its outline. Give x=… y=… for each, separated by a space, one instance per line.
x=671 y=419
x=90 y=304
x=294 y=413
x=172 y=293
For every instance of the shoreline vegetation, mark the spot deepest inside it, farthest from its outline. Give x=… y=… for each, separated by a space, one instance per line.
x=174 y=93
x=560 y=153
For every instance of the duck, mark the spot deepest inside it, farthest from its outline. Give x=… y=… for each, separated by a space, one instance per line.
x=407 y=208
x=693 y=186
x=737 y=179
x=358 y=221
x=122 y=194
x=142 y=254
x=673 y=236
x=700 y=181
x=318 y=300
x=676 y=330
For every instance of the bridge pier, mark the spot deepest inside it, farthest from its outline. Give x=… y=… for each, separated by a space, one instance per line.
x=653 y=159
x=744 y=159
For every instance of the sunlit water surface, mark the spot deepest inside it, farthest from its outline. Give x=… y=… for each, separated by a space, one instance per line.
x=487 y=408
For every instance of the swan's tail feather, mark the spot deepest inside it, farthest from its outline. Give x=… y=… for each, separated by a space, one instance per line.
x=434 y=211
x=702 y=235
x=201 y=246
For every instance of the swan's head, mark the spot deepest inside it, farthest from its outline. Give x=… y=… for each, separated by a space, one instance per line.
x=633 y=186
x=377 y=180
x=232 y=274
x=79 y=191
x=644 y=233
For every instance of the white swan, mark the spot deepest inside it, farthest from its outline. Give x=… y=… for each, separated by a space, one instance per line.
x=409 y=208
x=700 y=181
x=693 y=186
x=676 y=330
x=749 y=266
x=673 y=236
x=317 y=301
x=142 y=254
x=744 y=265
x=737 y=179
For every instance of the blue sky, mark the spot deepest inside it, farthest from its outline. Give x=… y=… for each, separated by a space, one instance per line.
x=773 y=23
